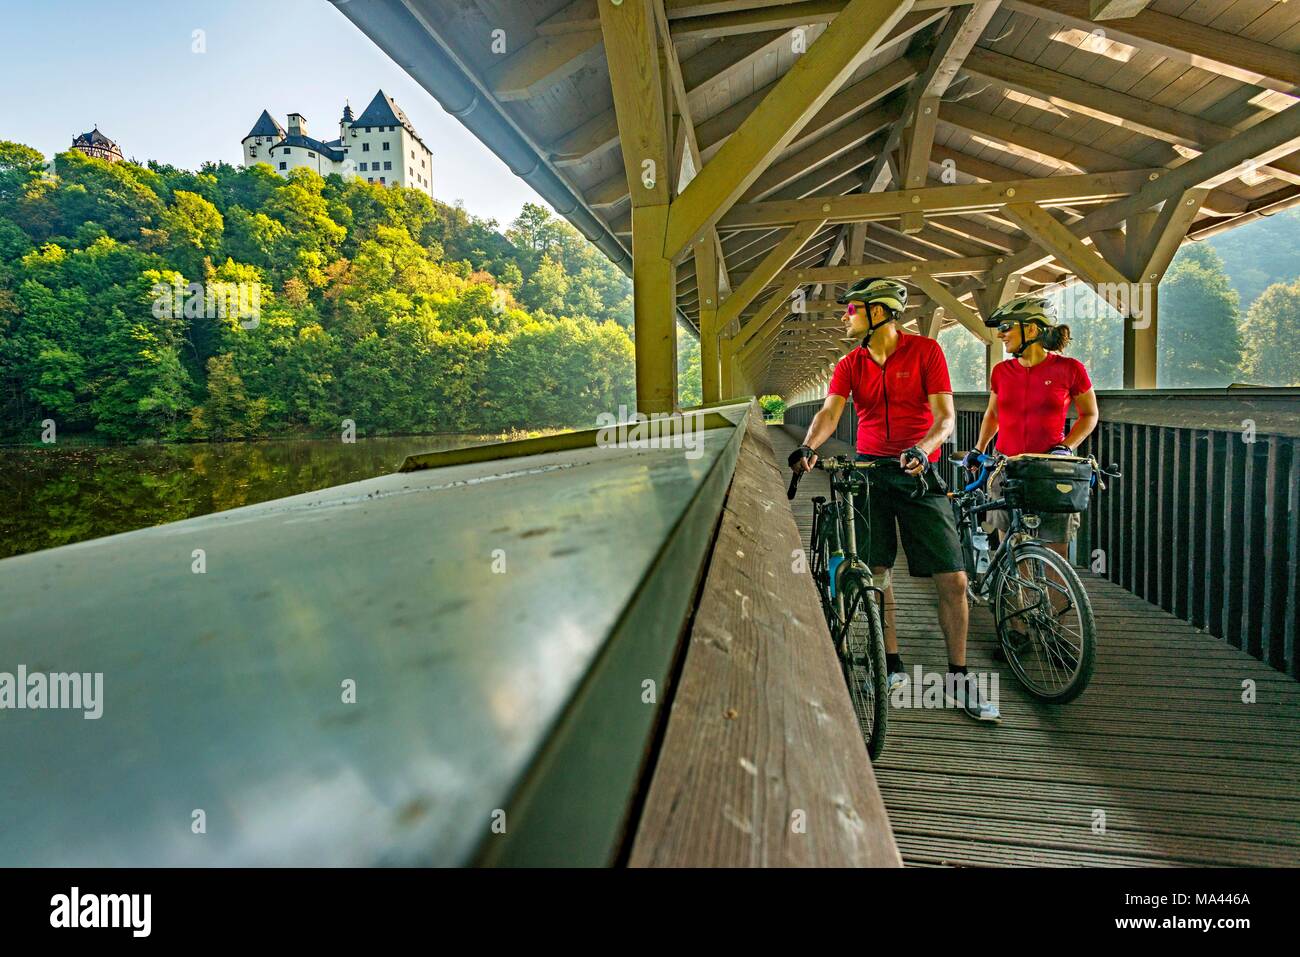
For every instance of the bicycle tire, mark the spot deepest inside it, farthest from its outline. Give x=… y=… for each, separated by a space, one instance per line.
x=862 y=661
x=1012 y=642
x=819 y=546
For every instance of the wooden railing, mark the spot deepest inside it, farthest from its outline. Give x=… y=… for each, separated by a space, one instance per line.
x=1204 y=521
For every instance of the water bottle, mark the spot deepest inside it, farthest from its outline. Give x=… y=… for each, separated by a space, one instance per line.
x=836 y=558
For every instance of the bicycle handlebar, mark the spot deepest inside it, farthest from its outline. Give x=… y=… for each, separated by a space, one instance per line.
x=833 y=463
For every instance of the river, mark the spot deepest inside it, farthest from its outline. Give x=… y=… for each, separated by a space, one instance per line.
x=59 y=494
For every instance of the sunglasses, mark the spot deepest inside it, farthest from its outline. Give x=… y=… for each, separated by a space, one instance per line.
x=1007 y=326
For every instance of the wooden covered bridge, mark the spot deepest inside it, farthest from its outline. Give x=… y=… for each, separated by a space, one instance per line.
x=651 y=681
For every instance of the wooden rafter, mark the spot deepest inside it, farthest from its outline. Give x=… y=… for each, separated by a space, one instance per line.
x=1241 y=59
x=1110 y=106
x=938 y=200
x=801 y=92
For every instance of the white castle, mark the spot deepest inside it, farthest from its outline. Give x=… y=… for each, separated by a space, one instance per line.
x=380 y=145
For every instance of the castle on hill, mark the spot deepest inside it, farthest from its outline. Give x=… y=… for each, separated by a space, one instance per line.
x=380 y=145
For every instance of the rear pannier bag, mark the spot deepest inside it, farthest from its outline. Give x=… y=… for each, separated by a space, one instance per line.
x=1047 y=483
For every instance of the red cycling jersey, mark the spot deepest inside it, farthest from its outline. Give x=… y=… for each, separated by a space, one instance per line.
x=1033 y=402
x=893 y=400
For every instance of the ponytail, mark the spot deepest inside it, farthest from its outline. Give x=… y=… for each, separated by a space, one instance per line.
x=1055 y=338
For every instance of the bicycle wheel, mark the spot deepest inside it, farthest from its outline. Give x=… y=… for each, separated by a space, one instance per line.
x=1044 y=622
x=820 y=554
x=862 y=659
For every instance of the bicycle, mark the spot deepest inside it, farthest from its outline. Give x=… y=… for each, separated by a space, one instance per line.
x=850 y=599
x=1041 y=611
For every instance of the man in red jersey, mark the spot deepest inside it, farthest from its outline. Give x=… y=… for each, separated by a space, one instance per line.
x=900 y=389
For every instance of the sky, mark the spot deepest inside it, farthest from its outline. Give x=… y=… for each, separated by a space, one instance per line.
x=130 y=67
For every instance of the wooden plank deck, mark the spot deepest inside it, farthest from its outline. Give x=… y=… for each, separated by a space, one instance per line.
x=1185 y=773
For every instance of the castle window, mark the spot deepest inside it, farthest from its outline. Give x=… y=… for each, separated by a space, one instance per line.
x=365 y=147
x=388 y=164
x=310 y=153
x=283 y=165
x=363 y=167
x=383 y=180
x=385 y=144
x=370 y=179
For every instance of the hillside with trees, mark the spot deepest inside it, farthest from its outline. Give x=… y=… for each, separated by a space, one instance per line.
x=1209 y=335
x=374 y=304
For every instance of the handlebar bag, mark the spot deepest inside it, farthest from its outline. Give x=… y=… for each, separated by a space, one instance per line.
x=1047 y=483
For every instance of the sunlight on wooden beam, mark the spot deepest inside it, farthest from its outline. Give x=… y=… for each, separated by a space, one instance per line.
x=1015 y=96
x=1096 y=42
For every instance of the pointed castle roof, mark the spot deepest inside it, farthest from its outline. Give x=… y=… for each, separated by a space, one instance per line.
x=384 y=111
x=94 y=138
x=266 y=126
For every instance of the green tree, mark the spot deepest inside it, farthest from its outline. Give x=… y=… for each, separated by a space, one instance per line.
x=1271 y=328
x=689 y=388
x=1199 y=343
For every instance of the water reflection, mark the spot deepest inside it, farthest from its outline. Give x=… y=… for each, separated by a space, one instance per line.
x=59 y=495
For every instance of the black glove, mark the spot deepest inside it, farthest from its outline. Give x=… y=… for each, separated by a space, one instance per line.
x=802 y=452
x=915 y=453
x=1060 y=450
x=971 y=461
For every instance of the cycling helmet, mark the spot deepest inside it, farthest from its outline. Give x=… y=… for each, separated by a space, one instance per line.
x=889 y=293
x=1039 y=310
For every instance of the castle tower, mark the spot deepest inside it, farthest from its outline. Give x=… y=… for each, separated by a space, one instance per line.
x=266 y=132
x=98 y=145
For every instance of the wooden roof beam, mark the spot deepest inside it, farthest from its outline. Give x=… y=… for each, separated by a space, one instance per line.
x=952 y=50
x=903 y=269
x=1038 y=145
x=805 y=88
x=845 y=104
x=725 y=20
x=953 y=307
x=1276 y=136
x=765 y=272
x=941 y=200
x=1110 y=106
x=1115 y=9
x=542 y=63
x=708 y=67
x=1247 y=61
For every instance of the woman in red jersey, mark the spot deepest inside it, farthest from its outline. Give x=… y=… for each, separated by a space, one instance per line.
x=1030 y=395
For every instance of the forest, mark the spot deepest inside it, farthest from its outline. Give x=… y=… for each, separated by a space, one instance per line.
x=157 y=304
x=359 y=302
x=1229 y=311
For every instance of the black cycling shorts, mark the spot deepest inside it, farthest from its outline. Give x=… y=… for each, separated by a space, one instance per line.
x=926 y=525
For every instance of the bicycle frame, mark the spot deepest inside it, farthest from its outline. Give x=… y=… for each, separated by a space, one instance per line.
x=838 y=514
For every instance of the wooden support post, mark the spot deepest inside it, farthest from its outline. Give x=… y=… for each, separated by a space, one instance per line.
x=993 y=354
x=917 y=164
x=727 y=370
x=1140 y=336
x=639 y=104
x=706 y=276
x=654 y=288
